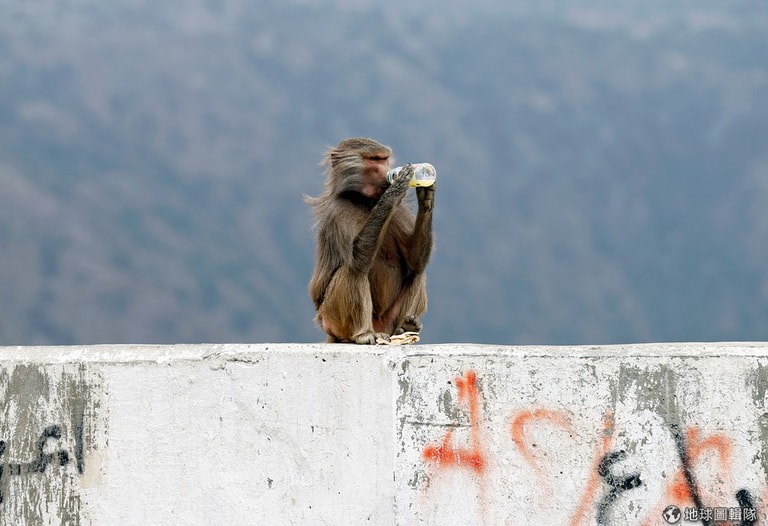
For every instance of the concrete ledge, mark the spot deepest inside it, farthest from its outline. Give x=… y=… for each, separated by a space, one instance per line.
x=427 y=434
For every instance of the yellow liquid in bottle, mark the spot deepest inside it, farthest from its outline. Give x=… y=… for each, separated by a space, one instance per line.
x=424 y=174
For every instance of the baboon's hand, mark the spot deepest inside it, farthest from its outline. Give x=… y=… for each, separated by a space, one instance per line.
x=372 y=338
x=426 y=197
x=400 y=182
x=411 y=323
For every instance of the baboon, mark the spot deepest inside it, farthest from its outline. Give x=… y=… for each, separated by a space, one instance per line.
x=369 y=281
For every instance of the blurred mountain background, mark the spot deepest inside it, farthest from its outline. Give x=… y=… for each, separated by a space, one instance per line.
x=602 y=165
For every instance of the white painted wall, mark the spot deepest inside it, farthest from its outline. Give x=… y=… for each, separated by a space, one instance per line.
x=426 y=434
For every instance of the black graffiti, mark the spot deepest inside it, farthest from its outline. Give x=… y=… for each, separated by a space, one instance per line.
x=79 y=454
x=39 y=464
x=743 y=496
x=685 y=463
x=618 y=485
x=746 y=501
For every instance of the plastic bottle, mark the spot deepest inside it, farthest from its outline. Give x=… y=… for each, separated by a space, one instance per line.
x=424 y=174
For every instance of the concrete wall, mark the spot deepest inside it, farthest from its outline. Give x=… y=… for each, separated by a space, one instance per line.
x=426 y=434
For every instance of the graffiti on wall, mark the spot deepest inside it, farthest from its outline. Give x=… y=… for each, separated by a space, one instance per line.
x=684 y=497
x=50 y=426
x=448 y=455
x=48 y=453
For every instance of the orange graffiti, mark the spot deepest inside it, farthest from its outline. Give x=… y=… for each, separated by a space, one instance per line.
x=678 y=490
x=593 y=484
x=522 y=420
x=695 y=447
x=711 y=454
x=447 y=455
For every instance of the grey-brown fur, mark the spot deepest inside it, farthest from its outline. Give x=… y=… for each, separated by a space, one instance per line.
x=369 y=279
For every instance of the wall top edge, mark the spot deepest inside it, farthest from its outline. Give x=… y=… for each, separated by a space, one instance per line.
x=254 y=352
